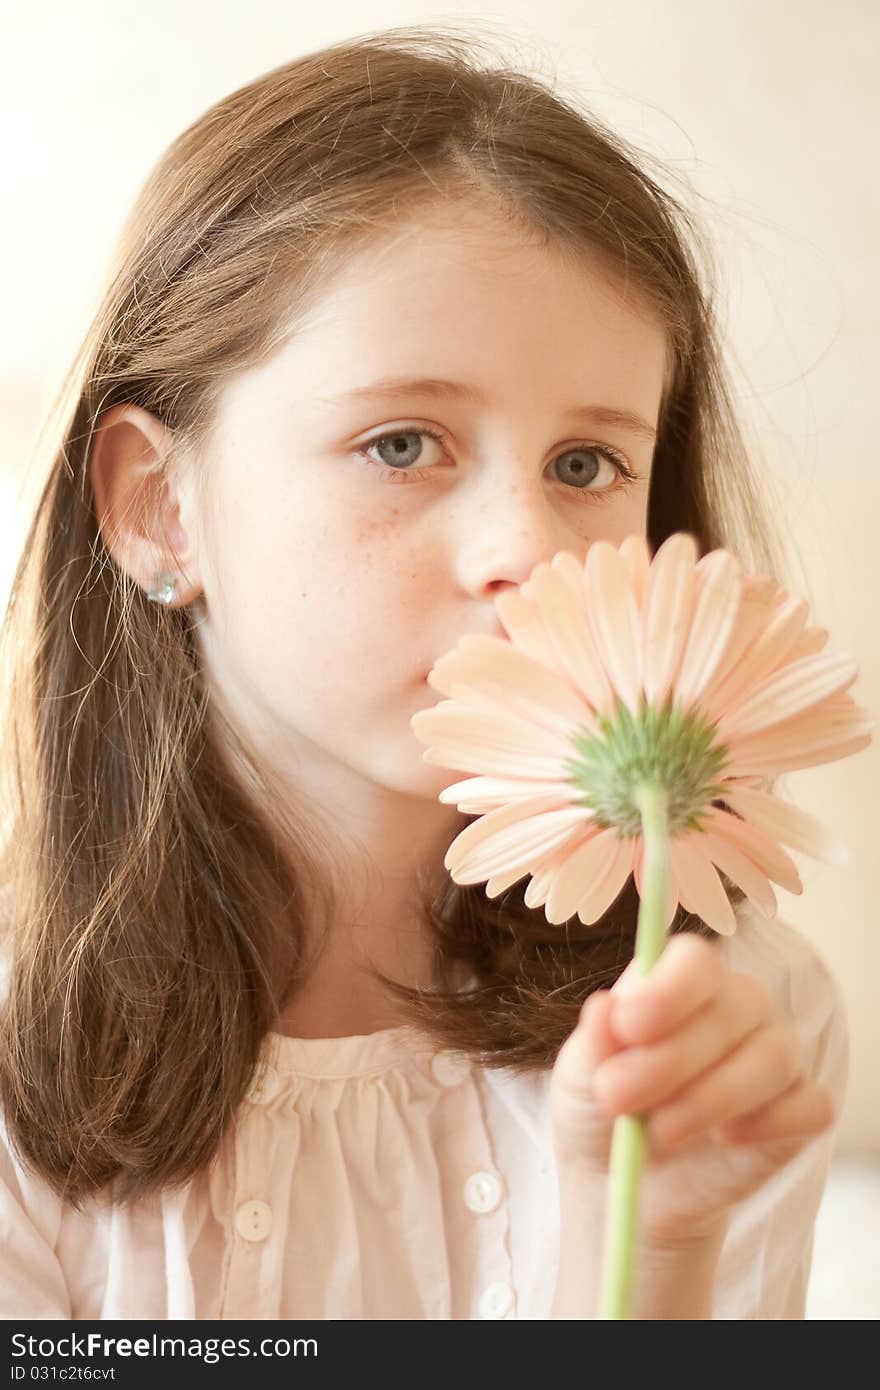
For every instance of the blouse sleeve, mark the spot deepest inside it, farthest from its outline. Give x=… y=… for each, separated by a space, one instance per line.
x=765 y=1262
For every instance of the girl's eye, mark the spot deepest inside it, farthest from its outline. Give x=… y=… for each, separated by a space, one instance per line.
x=579 y=466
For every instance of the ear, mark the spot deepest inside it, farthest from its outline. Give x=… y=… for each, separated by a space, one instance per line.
x=146 y=518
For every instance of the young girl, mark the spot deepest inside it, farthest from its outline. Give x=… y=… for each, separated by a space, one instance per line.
x=386 y=328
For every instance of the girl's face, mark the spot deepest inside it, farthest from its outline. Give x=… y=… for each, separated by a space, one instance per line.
x=344 y=548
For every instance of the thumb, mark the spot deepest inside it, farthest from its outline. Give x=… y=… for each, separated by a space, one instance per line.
x=595 y=1039
x=581 y=1127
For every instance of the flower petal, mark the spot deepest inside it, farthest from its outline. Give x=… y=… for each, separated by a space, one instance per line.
x=512 y=835
x=764 y=851
x=788 y=691
x=812 y=639
x=636 y=555
x=543 y=871
x=772 y=646
x=787 y=823
x=828 y=753
x=755 y=612
x=521 y=620
x=611 y=867
x=562 y=609
x=668 y=608
x=614 y=617
x=699 y=887
x=819 y=734
x=741 y=870
x=719 y=590
x=482 y=741
x=513 y=682
x=583 y=867
x=478 y=794
x=499 y=883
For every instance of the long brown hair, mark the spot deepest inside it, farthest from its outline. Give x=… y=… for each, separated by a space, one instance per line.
x=154 y=911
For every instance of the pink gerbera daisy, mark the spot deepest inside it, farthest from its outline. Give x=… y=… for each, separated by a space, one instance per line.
x=680 y=672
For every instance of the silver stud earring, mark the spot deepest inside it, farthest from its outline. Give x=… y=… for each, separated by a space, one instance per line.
x=162 y=588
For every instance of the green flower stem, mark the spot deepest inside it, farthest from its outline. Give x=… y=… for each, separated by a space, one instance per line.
x=628 y=1135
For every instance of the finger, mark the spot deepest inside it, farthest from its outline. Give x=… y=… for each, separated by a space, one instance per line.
x=588 y=1044
x=688 y=974
x=580 y=1126
x=805 y=1109
x=764 y=1065
x=594 y=1027
x=639 y=1078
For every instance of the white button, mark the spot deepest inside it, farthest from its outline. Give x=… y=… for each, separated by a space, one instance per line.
x=450 y=1067
x=264 y=1085
x=496 y=1300
x=253 y=1219
x=482 y=1191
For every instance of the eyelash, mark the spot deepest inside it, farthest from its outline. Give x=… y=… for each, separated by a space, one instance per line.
x=404 y=475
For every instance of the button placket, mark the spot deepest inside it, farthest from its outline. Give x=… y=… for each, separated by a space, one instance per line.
x=496 y=1300
x=256 y=1213
x=482 y=1191
x=253 y=1219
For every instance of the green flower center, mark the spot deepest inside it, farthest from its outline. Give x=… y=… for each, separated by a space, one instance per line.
x=670 y=747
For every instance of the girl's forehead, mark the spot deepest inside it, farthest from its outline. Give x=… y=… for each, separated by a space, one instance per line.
x=426 y=243
x=436 y=285
x=480 y=243
x=461 y=292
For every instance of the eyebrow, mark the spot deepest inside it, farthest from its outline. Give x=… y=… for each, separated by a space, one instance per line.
x=440 y=390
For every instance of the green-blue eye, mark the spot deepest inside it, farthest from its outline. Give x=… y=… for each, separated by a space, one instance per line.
x=389 y=473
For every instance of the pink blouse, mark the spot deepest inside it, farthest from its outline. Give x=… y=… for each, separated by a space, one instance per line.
x=379 y=1177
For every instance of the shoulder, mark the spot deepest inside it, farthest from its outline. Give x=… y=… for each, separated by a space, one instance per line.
x=801 y=985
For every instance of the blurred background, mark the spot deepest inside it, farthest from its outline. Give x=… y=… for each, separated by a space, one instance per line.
x=767 y=113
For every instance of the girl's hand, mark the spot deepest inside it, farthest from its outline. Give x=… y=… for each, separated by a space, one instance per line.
x=696 y=1049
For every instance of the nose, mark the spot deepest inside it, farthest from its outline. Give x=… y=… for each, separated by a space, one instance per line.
x=508 y=538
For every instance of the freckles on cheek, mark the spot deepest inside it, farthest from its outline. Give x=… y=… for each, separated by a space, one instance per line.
x=378 y=551
x=388 y=592
x=377 y=530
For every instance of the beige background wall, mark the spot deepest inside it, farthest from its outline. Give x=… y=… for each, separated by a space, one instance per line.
x=768 y=110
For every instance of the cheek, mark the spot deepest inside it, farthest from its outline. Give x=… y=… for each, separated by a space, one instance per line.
x=374 y=592
x=329 y=603
x=629 y=516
